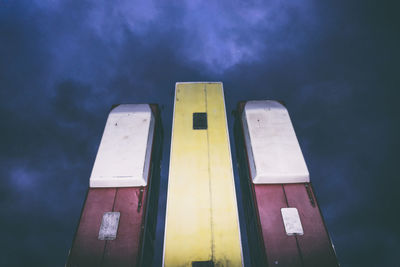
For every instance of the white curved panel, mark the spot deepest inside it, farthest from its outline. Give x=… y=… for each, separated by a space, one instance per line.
x=274 y=152
x=123 y=157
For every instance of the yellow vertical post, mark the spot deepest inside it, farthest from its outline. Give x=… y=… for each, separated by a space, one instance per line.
x=202 y=221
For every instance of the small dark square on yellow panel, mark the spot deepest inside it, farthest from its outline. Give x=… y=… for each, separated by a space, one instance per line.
x=199 y=121
x=202 y=264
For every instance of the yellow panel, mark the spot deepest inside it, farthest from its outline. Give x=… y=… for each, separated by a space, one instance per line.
x=201 y=221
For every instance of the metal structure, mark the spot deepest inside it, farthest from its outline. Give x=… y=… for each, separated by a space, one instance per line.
x=202 y=226
x=282 y=217
x=117 y=224
x=284 y=224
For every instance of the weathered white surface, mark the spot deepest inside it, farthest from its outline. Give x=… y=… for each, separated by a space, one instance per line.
x=124 y=154
x=274 y=152
x=109 y=226
x=291 y=220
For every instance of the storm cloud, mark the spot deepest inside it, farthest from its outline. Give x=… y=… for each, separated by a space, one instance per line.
x=64 y=63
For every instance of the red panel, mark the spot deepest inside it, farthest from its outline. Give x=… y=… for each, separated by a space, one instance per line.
x=124 y=250
x=280 y=248
x=87 y=249
x=315 y=245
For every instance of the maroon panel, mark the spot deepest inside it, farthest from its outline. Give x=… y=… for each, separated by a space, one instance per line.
x=87 y=249
x=280 y=248
x=315 y=244
x=125 y=249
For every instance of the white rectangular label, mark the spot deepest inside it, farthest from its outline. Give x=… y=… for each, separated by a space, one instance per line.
x=291 y=220
x=109 y=226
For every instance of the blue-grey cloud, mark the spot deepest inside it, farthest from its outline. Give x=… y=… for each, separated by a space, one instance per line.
x=63 y=64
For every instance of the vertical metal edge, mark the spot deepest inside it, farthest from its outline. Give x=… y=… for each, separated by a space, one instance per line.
x=233 y=175
x=169 y=168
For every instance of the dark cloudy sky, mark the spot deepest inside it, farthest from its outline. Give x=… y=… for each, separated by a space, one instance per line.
x=64 y=63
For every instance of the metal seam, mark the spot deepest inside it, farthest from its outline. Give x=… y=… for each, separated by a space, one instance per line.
x=105 y=243
x=295 y=235
x=209 y=180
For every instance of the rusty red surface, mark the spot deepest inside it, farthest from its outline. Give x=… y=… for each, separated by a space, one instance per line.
x=88 y=250
x=314 y=248
x=280 y=248
x=315 y=245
